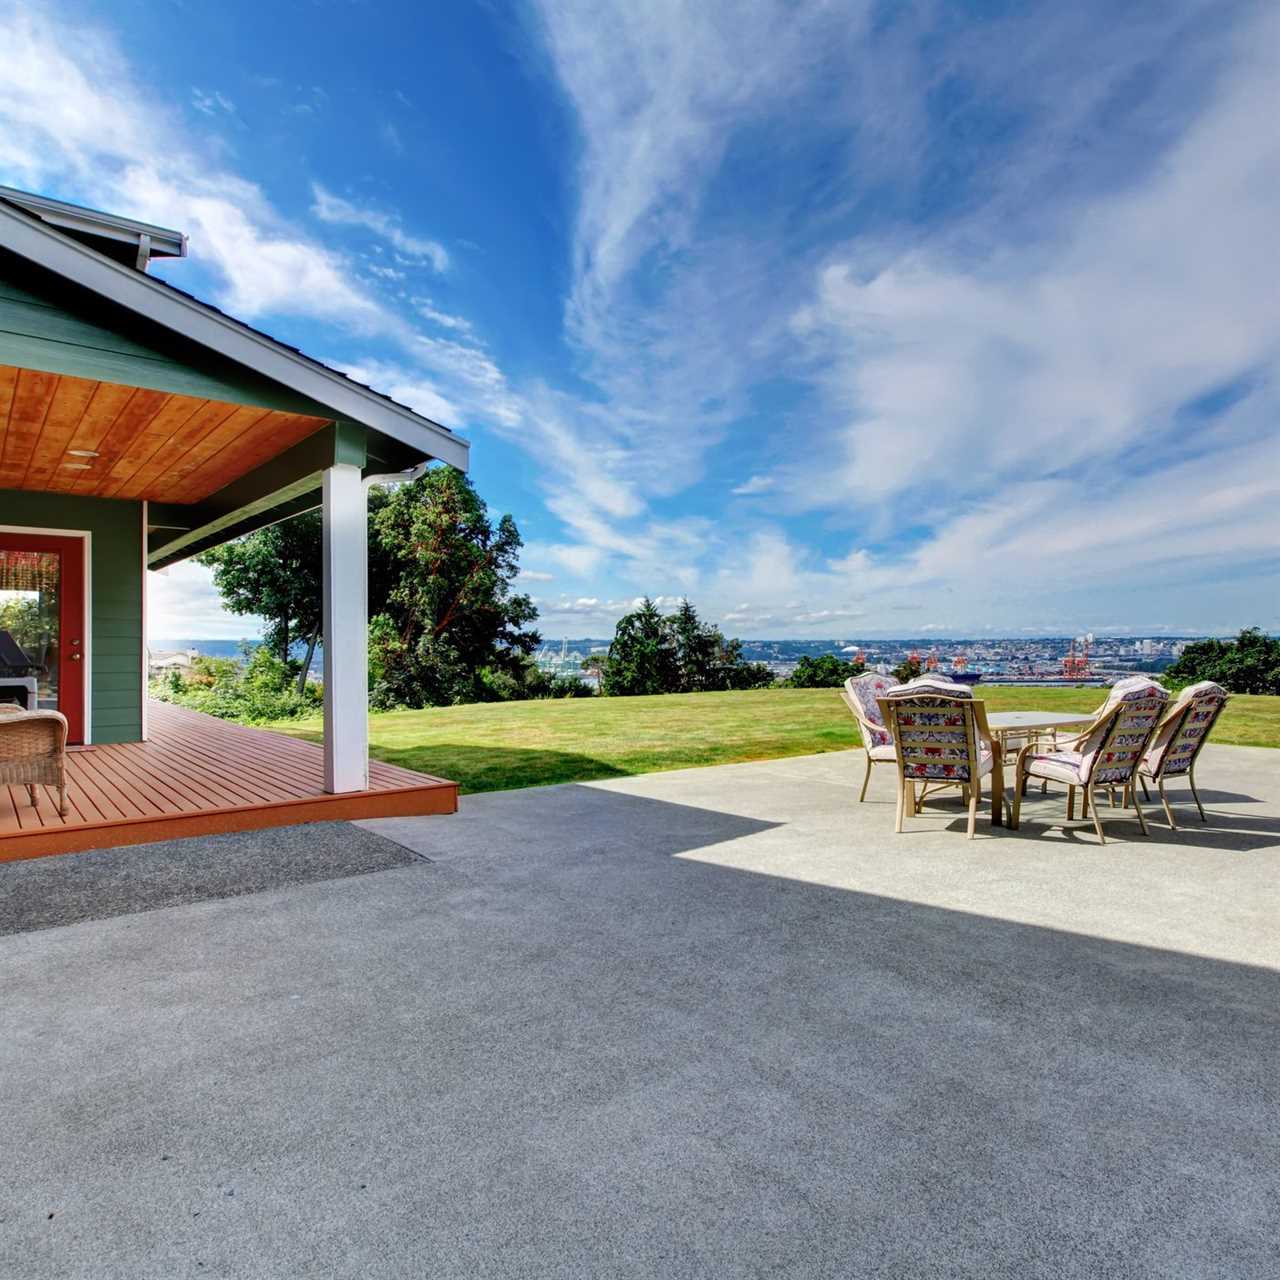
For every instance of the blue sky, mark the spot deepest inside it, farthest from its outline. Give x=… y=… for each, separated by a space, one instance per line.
x=844 y=319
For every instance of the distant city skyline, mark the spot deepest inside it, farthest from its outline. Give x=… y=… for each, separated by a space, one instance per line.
x=915 y=319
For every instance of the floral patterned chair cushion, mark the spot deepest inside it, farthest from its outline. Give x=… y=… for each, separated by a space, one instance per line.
x=864 y=690
x=1113 y=748
x=935 y=731
x=1174 y=747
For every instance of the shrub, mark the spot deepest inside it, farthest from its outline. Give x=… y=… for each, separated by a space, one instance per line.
x=261 y=689
x=823 y=672
x=908 y=669
x=1248 y=664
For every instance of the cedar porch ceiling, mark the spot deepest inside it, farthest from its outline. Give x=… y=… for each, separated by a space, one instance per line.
x=151 y=445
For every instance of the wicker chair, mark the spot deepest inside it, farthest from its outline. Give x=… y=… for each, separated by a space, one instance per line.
x=1176 y=746
x=941 y=739
x=1106 y=754
x=860 y=694
x=33 y=751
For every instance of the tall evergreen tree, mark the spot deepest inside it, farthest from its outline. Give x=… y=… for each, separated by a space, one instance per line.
x=642 y=658
x=450 y=615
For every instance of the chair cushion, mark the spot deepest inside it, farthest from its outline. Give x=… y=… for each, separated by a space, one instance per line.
x=932 y=684
x=864 y=690
x=1060 y=766
x=883 y=751
x=958 y=772
x=1174 y=748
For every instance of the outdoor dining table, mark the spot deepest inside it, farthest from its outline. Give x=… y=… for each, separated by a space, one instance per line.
x=1020 y=725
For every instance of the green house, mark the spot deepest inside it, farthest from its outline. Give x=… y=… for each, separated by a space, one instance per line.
x=139 y=426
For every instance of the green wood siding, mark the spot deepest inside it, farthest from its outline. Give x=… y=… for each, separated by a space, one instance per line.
x=115 y=605
x=57 y=327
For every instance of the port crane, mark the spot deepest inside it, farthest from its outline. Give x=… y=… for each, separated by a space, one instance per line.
x=1076 y=666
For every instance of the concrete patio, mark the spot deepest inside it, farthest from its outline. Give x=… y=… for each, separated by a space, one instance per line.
x=716 y=1022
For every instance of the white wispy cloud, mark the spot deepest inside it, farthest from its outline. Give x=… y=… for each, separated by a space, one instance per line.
x=183 y=604
x=332 y=208
x=212 y=102
x=1056 y=323
x=78 y=123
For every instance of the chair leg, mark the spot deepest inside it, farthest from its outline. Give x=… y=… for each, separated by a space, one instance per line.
x=1146 y=795
x=31 y=795
x=1071 y=803
x=1016 y=813
x=1164 y=800
x=975 y=794
x=866 y=777
x=1084 y=801
x=1097 y=821
x=62 y=799
x=1195 y=795
x=1142 y=821
x=902 y=799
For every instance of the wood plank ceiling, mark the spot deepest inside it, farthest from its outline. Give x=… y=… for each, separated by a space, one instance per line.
x=60 y=434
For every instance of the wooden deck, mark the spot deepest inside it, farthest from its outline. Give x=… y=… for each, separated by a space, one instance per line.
x=198 y=776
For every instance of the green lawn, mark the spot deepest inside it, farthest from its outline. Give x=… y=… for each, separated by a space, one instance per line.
x=493 y=746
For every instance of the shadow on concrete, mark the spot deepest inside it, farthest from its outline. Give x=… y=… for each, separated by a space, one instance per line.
x=1225 y=829
x=43 y=893
x=589 y=1055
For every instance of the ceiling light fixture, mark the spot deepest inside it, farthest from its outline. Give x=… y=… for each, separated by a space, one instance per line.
x=83 y=453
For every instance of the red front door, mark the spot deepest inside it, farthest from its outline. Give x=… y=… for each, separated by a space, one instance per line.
x=43 y=643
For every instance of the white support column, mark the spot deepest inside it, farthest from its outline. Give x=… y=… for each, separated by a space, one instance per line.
x=346 y=631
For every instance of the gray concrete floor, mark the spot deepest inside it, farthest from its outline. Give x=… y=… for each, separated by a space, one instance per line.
x=717 y=1022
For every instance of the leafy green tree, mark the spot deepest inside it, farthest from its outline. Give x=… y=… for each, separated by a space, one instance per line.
x=450 y=612
x=738 y=673
x=1248 y=664
x=445 y=625
x=642 y=658
x=31 y=621
x=826 y=671
x=276 y=574
x=594 y=665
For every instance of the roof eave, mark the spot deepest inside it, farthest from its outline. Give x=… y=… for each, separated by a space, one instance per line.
x=158 y=303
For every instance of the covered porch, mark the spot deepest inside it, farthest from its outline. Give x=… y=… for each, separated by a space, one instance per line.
x=196 y=775
x=140 y=426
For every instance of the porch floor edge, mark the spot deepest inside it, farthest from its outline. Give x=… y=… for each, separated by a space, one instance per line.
x=197 y=775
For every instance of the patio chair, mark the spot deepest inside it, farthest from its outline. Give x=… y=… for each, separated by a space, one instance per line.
x=1106 y=754
x=33 y=751
x=860 y=694
x=941 y=739
x=1175 y=748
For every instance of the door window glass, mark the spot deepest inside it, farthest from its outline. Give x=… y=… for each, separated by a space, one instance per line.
x=30 y=591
